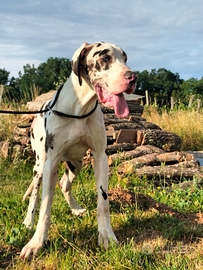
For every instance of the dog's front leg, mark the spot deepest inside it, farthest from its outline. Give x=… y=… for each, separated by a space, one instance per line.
x=49 y=183
x=106 y=234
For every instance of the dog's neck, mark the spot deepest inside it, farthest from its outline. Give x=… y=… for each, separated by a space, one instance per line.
x=75 y=99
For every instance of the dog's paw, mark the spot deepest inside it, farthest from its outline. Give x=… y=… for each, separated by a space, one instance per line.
x=27 y=224
x=79 y=212
x=31 y=248
x=105 y=237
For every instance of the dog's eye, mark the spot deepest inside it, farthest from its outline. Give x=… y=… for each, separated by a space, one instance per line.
x=106 y=58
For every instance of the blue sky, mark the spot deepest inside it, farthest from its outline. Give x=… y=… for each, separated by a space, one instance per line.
x=154 y=34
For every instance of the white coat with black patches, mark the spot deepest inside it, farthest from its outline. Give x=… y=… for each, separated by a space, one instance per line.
x=99 y=72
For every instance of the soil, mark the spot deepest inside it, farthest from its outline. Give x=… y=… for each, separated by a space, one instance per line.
x=119 y=197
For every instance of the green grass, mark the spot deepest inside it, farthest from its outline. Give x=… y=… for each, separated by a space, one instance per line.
x=147 y=239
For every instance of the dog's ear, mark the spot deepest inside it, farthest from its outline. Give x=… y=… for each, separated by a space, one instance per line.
x=77 y=58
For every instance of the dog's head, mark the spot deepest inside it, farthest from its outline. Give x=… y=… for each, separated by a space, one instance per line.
x=103 y=67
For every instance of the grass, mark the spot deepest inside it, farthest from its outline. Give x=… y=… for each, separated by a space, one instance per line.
x=188 y=124
x=147 y=239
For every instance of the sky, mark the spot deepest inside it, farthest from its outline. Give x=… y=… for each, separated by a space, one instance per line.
x=154 y=33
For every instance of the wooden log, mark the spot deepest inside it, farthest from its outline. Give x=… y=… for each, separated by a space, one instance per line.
x=136 y=119
x=175 y=157
x=149 y=125
x=132 y=109
x=40 y=100
x=129 y=166
x=132 y=119
x=111 y=149
x=128 y=125
x=137 y=152
x=166 y=140
x=133 y=102
x=167 y=172
x=187 y=160
x=111 y=121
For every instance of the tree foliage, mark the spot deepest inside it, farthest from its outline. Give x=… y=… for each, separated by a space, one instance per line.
x=161 y=83
x=4 y=76
x=47 y=76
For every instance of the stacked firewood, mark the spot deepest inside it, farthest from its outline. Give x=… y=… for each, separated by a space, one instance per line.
x=133 y=144
x=141 y=148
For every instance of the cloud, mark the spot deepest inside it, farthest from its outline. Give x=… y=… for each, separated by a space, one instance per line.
x=153 y=33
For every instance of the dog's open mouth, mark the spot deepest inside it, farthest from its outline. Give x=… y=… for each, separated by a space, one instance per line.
x=117 y=101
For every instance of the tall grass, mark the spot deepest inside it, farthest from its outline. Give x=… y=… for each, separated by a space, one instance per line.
x=8 y=122
x=188 y=124
x=31 y=94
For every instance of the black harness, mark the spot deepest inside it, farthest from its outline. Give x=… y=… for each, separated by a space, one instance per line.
x=49 y=108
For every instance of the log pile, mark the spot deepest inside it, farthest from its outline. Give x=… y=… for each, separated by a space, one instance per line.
x=135 y=145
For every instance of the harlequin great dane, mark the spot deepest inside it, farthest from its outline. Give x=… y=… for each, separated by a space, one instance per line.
x=99 y=71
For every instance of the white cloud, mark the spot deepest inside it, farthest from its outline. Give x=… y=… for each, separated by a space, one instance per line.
x=155 y=34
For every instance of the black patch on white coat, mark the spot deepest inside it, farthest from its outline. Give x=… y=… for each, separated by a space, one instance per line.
x=70 y=166
x=104 y=52
x=96 y=53
x=45 y=122
x=86 y=70
x=49 y=141
x=103 y=193
x=97 y=66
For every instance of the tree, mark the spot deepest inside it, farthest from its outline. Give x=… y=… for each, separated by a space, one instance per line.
x=53 y=72
x=143 y=82
x=4 y=76
x=190 y=87
x=160 y=84
x=12 y=90
x=46 y=77
x=28 y=81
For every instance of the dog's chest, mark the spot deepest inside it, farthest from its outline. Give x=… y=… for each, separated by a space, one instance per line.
x=73 y=141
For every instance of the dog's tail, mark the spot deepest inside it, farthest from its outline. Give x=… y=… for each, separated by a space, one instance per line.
x=29 y=190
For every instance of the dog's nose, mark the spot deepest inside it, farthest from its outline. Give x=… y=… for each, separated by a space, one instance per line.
x=130 y=76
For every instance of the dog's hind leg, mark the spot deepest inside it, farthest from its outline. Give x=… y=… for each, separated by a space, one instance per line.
x=37 y=140
x=34 y=198
x=72 y=171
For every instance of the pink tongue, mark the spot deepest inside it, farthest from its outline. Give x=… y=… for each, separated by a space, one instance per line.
x=120 y=105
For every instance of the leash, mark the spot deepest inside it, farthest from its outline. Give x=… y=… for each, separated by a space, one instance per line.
x=54 y=111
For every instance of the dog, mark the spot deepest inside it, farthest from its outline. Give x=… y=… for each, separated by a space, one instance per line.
x=99 y=71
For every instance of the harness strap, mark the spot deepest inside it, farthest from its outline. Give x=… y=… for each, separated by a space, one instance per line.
x=75 y=116
x=53 y=102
